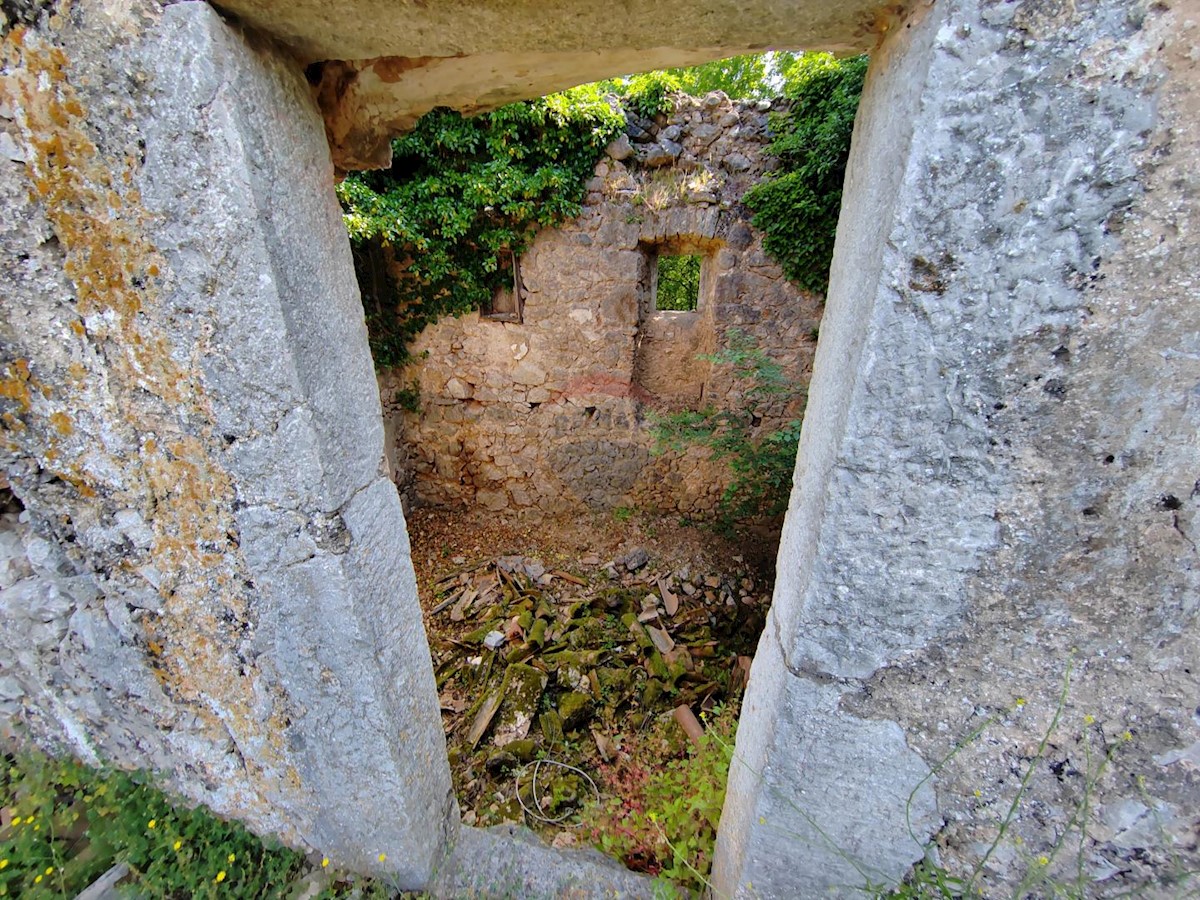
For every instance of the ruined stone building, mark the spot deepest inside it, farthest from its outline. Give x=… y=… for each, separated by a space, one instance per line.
x=546 y=404
x=996 y=483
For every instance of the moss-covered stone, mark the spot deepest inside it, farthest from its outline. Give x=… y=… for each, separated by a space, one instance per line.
x=574 y=708
x=521 y=689
x=551 y=724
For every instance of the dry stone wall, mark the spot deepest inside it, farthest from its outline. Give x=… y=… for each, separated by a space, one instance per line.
x=553 y=414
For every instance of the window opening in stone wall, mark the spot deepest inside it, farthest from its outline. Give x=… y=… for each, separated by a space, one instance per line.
x=508 y=303
x=677 y=285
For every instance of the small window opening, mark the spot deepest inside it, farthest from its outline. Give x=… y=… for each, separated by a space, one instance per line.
x=677 y=286
x=508 y=304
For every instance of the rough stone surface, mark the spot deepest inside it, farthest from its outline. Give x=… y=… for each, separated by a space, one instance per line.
x=218 y=585
x=989 y=570
x=550 y=414
x=384 y=64
x=510 y=861
x=992 y=525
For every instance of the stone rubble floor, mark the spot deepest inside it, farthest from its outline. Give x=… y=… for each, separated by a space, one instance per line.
x=574 y=643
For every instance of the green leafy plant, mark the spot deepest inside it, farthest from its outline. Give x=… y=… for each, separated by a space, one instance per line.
x=409 y=398
x=678 y=282
x=761 y=461
x=663 y=819
x=649 y=93
x=797 y=206
x=462 y=197
x=65 y=824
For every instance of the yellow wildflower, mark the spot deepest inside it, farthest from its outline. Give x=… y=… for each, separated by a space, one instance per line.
x=383 y=857
x=324 y=862
x=177 y=844
x=49 y=870
x=1089 y=719
x=16 y=820
x=232 y=857
x=3 y=863
x=1020 y=701
x=38 y=880
x=220 y=877
x=1043 y=860
x=153 y=823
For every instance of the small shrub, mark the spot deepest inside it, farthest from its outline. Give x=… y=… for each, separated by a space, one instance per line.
x=409 y=398
x=761 y=463
x=649 y=94
x=663 y=820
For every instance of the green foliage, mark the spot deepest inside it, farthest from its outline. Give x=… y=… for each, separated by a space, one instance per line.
x=649 y=93
x=409 y=398
x=678 y=282
x=761 y=463
x=462 y=197
x=663 y=819
x=60 y=806
x=753 y=76
x=797 y=207
x=740 y=77
x=69 y=824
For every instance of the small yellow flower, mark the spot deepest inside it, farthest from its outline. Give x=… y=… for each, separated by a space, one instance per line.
x=153 y=823
x=49 y=870
x=1043 y=860
x=324 y=862
x=383 y=857
x=232 y=857
x=1020 y=702
x=16 y=820
x=220 y=877
x=177 y=844
x=1127 y=735
x=37 y=827
x=1089 y=719
x=3 y=863
x=38 y=880
x=762 y=820
x=978 y=793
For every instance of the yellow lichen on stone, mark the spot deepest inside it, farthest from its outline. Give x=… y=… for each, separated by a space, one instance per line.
x=176 y=479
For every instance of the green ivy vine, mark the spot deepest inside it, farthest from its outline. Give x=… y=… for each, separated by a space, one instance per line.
x=797 y=206
x=461 y=197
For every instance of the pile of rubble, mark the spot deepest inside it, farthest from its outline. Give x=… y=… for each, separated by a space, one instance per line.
x=547 y=664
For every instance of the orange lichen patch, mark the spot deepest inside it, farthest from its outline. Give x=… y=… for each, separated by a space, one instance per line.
x=102 y=228
x=61 y=423
x=15 y=383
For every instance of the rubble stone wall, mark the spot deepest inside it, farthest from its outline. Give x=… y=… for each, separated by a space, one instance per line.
x=555 y=413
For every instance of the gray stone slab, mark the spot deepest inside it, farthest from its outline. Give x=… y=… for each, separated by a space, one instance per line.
x=511 y=861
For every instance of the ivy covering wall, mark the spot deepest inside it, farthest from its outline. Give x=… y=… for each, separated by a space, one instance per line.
x=797 y=207
x=464 y=195
x=461 y=196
